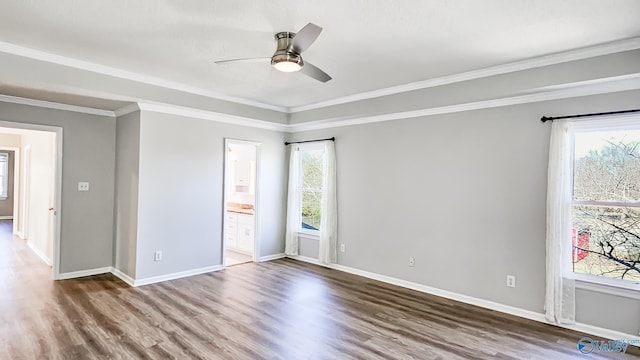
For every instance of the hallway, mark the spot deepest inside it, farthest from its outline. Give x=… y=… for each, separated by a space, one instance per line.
x=20 y=267
x=25 y=286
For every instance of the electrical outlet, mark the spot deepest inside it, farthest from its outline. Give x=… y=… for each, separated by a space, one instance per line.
x=412 y=261
x=157 y=256
x=341 y=247
x=83 y=186
x=511 y=281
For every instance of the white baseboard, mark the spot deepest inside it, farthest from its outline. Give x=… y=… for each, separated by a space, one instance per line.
x=527 y=314
x=6 y=217
x=122 y=276
x=40 y=254
x=133 y=282
x=308 y=259
x=271 y=257
x=82 y=273
x=178 y=275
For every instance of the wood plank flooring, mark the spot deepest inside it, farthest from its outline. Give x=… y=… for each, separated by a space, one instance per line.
x=281 y=309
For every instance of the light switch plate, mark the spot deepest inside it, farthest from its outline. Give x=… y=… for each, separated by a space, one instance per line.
x=83 y=186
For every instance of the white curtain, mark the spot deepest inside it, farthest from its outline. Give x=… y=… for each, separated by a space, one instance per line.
x=293 y=203
x=329 y=207
x=560 y=291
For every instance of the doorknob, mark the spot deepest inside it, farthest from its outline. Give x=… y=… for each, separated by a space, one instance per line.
x=51 y=209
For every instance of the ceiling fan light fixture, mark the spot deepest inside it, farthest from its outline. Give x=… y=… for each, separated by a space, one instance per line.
x=287 y=57
x=287 y=62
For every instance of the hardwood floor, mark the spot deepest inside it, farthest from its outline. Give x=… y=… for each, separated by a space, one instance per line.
x=281 y=309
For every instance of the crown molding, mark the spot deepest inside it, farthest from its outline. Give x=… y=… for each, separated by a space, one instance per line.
x=556 y=92
x=557 y=58
x=585 y=88
x=208 y=115
x=56 y=106
x=127 y=110
x=128 y=75
x=552 y=59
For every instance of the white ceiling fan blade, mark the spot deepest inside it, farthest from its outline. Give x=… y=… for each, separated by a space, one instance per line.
x=305 y=37
x=315 y=72
x=243 y=60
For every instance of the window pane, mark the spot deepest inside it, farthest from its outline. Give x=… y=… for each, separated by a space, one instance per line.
x=312 y=169
x=606 y=241
x=607 y=165
x=311 y=211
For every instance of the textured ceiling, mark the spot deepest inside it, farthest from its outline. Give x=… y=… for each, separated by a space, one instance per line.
x=365 y=45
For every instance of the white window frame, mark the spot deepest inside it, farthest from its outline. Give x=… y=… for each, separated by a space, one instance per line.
x=620 y=287
x=314 y=234
x=4 y=172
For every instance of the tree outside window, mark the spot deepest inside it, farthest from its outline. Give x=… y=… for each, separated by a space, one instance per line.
x=606 y=205
x=312 y=160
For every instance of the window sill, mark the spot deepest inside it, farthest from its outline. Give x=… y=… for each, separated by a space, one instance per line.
x=309 y=235
x=631 y=290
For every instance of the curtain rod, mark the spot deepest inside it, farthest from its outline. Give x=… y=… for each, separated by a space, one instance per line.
x=551 y=118
x=306 y=141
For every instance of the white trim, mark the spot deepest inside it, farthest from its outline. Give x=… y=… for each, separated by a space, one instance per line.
x=212 y=115
x=307 y=259
x=122 y=276
x=552 y=59
x=578 y=89
x=25 y=171
x=54 y=105
x=271 y=257
x=602 y=287
x=586 y=88
x=630 y=83
x=309 y=234
x=127 y=75
x=255 y=253
x=16 y=185
x=83 y=273
x=40 y=254
x=527 y=314
x=57 y=186
x=6 y=217
x=178 y=275
x=127 y=110
x=57 y=203
x=546 y=60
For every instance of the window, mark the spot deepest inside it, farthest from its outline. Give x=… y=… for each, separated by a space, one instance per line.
x=606 y=205
x=4 y=175
x=311 y=167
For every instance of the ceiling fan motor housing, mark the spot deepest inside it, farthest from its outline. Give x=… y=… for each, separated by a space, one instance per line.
x=284 y=53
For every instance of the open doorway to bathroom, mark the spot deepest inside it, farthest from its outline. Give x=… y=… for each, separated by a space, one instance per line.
x=241 y=205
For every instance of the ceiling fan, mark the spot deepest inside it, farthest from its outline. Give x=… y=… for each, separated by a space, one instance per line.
x=288 y=55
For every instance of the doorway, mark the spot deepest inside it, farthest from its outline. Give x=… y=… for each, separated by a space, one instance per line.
x=240 y=234
x=35 y=154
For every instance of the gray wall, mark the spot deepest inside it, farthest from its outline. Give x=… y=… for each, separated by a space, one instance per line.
x=6 y=205
x=522 y=82
x=126 y=203
x=465 y=195
x=16 y=69
x=180 y=199
x=89 y=155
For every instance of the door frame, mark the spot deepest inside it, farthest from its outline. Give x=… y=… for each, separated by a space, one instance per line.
x=57 y=184
x=256 y=206
x=16 y=182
